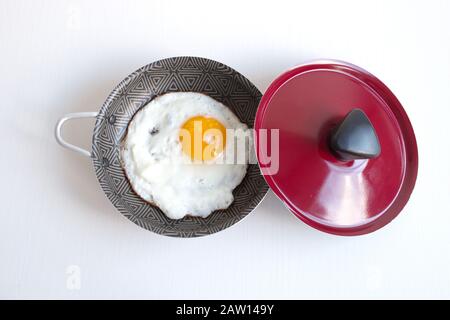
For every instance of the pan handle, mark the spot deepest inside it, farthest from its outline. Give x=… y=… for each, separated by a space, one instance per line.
x=60 y=124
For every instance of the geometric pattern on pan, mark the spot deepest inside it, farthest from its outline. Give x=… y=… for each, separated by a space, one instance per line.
x=173 y=75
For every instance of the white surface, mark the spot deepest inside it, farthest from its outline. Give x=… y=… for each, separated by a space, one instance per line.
x=66 y=56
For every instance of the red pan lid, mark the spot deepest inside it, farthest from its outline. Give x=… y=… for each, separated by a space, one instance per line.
x=344 y=159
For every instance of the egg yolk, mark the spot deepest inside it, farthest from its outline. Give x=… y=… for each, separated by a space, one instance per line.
x=202 y=138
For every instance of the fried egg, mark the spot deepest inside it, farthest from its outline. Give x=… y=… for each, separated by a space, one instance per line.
x=177 y=150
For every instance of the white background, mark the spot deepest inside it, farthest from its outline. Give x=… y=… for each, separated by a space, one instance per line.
x=58 y=57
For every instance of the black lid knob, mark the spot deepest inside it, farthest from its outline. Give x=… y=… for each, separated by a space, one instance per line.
x=355 y=138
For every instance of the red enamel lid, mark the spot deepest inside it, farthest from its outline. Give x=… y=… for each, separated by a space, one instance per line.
x=351 y=191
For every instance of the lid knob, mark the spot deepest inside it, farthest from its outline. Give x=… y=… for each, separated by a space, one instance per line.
x=355 y=138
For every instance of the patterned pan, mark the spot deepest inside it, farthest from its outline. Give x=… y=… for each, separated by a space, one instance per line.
x=168 y=75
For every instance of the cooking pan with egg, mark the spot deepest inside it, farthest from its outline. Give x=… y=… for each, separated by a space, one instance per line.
x=344 y=150
x=177 y=74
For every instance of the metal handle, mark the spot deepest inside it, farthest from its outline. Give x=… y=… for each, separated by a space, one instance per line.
x=355 y=138
x=61 y=122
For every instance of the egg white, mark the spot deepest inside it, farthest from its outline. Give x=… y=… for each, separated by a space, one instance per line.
x=162 y=174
